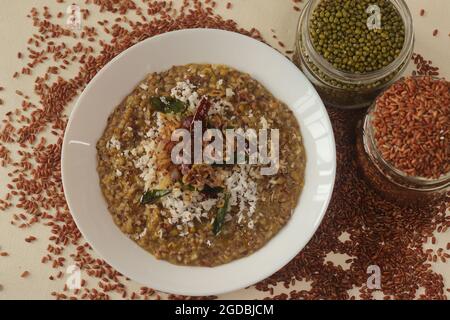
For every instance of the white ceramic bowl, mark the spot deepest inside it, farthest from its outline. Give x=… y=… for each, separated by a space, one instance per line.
x=117 y=79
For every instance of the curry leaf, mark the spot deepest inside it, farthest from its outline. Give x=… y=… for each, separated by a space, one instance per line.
x=220 y=216
x=212 y=191
x=187 y=187
x=167 y=104
x=152 y=196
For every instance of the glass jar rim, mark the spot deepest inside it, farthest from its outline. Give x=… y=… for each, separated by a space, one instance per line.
x=373 y=76
x=369 y=132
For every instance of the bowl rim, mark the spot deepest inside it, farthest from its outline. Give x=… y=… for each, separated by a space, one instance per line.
x=276 y=266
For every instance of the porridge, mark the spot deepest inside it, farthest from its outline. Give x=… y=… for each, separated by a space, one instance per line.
x=198 y=214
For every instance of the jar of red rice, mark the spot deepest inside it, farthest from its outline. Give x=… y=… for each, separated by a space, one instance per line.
x=403 y=142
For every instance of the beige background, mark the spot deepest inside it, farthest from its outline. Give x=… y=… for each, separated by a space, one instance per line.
x=265 y=15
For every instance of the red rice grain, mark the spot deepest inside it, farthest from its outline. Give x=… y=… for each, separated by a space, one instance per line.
x=424 y=67
x=30 y=239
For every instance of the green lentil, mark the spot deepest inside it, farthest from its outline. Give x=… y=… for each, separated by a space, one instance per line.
x=340 y=34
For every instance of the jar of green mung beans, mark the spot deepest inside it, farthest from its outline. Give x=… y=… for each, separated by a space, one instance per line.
x=352 y=49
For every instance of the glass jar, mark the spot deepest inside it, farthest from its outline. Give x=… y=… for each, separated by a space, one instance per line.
x=343 y=89
x=392 y=183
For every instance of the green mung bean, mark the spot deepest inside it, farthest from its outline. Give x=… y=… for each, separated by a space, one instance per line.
x=340 y=33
